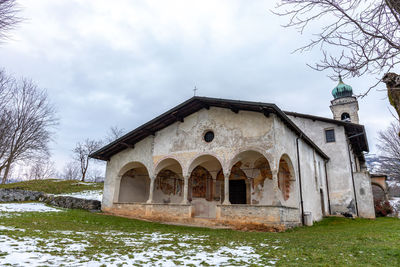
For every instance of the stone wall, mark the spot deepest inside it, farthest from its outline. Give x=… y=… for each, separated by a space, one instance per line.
x=271 y=215
x=17 y=195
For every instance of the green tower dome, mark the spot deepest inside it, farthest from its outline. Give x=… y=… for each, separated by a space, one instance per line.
x=342 y=89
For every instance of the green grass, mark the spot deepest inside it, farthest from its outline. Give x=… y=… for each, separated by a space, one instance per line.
x=53 y=186
x=331 y=242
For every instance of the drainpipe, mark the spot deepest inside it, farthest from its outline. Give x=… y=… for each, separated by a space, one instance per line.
x=327 y=189
x=299 y=170
x=352 y=177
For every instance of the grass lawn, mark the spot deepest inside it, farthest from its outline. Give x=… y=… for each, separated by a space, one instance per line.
x=76 y=237
x=53 y=186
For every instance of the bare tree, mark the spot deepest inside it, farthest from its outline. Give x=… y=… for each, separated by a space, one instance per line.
x=389 y=146
x=82 y=152
x=71 y=171
x=8 y=17
x=114 y=133
x=27 y=122
x=366 y=33
x=41 y=168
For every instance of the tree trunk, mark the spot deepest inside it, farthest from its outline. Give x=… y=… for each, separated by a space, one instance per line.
x=392 y=81
x=6 y=172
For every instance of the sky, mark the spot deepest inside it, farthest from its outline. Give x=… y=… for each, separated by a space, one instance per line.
x=121 y=63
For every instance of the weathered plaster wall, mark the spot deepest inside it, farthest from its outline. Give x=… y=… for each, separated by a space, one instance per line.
x=339 y=170
x=364 y=195
x=309 y=172
x=119 y=164
x=235 y=133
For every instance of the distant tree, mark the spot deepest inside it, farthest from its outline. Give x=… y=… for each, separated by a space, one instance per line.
x=8 y=17
x=389 y=148
x=27 y=119
x=41 y=168
x=114 y=133
x=82 y=152
x=71 y=171
x=355 y=36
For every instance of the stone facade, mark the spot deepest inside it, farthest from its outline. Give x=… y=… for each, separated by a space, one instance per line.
x=243 y=164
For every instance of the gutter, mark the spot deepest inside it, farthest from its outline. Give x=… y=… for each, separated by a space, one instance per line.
x=301 y=190
x=327 y=189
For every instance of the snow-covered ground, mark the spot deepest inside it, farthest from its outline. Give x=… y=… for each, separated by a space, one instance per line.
x=28 y=252
x=26 y=247
x=88 y=194
x=395 y=202
x=25 y=207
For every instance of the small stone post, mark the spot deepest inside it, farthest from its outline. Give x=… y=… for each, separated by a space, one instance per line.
x=226 y=189
x=276 y=187
x=185 y=190
x=150 y=200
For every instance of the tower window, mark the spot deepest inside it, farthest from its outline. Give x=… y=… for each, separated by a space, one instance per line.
x=345 y=117
x=209 y=136
x=330 y=135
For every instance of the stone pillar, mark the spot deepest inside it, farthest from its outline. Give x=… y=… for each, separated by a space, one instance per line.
x=185 y=189
x=152 y=180
x=117 y=185
x=277 y=192
x=226 y=188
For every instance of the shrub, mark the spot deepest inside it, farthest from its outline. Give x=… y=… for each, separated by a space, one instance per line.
x=382 y=208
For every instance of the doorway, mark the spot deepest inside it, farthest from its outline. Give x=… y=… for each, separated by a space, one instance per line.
x=237 y=192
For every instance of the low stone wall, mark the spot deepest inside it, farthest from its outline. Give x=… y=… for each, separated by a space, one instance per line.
x=73 y=203
x=250 y=217
x=259 y=214
x=17 y=195
x=154 y=211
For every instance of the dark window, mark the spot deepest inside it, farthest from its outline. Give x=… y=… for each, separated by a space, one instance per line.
x=330 y=135
x=345 y=117
x=209 y=136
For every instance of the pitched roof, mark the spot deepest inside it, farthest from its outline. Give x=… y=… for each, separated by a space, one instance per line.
x=355 y=132
x=189 y=107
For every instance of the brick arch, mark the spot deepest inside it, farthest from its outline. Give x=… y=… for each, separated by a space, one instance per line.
x=132 y=165
x=241 y=153
x=167 y=162
x=286 y=176
x=202 y=159
x=134 y=185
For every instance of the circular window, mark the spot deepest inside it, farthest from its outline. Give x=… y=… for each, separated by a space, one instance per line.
x=209 y=136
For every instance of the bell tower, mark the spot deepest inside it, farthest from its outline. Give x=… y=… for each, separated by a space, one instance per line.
x=344 y=106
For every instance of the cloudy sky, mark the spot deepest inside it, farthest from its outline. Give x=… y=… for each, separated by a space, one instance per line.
x=121 y=63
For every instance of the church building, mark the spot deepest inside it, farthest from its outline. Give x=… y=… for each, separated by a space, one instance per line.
x=228 y=162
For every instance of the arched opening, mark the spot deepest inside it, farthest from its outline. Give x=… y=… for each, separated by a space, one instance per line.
x=135 y=183
x=168 y=185
x=202 y=185
x=250 y=173
x=285 y=176
x=237 y=185
x=345 y=116
x=378 y=193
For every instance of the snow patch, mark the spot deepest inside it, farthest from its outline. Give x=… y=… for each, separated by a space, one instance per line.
x=33 y=251
x=88 y=194
x=26 y=207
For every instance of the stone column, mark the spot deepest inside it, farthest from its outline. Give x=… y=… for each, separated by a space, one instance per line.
x=277 y=191
x=185 y=189
x=226 y=189
x=152 y=180
x=117 y=185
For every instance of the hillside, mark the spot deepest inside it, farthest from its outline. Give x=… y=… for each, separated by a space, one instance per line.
x=55 y=186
